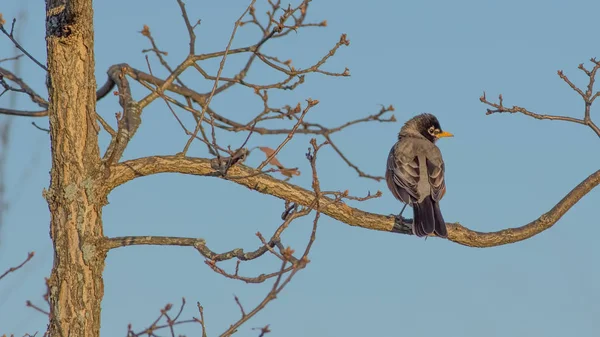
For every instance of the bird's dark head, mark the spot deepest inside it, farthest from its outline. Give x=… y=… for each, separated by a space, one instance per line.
x=426 y=125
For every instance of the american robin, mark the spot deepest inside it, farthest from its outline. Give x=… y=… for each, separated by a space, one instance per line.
x=415 y=173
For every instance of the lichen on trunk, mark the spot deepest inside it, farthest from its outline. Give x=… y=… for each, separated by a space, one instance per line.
x=75 y=194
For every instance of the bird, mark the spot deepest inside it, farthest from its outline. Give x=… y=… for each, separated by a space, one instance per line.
x=415 y=173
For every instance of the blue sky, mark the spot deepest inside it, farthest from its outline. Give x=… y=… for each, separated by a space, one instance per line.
x=427 y=56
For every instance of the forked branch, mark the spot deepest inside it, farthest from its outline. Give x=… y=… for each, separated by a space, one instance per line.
x=266 y=184
x=588 y=96
x=290 y=264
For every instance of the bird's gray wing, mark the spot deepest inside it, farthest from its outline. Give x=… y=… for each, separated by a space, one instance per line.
x=402 y=176
x=435 y=173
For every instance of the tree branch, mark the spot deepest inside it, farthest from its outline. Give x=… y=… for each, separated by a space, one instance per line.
x=500 y=108
x=588 y=98
x=17 y=44
x=129 y=121
x=13 y=269
x=129 y=170
x=6 y=74
x=37 y=99
x=199 y=244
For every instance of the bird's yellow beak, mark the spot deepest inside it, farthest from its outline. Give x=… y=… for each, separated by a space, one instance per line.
x=444 y=134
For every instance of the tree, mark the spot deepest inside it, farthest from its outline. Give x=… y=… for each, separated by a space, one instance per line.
x=82 y=177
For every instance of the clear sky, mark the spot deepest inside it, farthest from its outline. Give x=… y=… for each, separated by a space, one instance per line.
x=421 y=56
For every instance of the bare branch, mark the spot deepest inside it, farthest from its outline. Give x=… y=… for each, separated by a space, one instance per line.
x=211 y=256
x=14 y=58
x=170 y=323
x=215 y=85
x=132 y=169
x=23 y=87
x=13 y=269
x=311 y=103
x=5 y=74
x=358 y=170
x=129 y=121
x=201 y=320
x=588 y=97
x=36 y=308
x=199 y=244
x=237 y=300
x=278 y=286
x=263 y=331
x=159 y=54
x=16 y=43
x=516 y=109
x=40 y=128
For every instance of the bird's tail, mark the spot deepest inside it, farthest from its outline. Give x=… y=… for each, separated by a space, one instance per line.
x=428 y=219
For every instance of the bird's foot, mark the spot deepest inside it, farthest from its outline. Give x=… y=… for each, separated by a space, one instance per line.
x=402 y=225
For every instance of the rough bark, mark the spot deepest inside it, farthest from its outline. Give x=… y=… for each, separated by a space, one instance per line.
x=263 y=183
x=75 y=285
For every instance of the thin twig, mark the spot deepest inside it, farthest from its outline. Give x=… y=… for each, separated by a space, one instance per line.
x=215 y=85
x=13 y=269
x=18 y=45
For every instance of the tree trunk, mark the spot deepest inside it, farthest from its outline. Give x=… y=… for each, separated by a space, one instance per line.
x=75 y=198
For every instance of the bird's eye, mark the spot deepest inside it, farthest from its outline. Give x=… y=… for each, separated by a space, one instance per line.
x=432 y=130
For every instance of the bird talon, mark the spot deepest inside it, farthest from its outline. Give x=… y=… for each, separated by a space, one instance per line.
x=402 y=225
